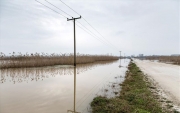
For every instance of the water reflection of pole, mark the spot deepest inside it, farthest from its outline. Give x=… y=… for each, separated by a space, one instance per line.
x=75 y=89
x=74 y=110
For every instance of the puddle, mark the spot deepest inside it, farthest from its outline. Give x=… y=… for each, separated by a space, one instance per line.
x=57 y=89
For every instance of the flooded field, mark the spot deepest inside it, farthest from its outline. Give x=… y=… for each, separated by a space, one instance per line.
x=59 y=89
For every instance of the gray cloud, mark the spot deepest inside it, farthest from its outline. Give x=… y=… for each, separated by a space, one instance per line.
x=140 y=26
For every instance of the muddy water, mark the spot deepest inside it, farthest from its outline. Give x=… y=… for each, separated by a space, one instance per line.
x=58 y=89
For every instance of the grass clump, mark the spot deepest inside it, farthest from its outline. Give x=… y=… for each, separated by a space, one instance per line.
x=135 y=96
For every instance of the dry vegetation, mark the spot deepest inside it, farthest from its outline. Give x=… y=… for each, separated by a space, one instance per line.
x=19 y=75
x=168 y=59
x=44 y=59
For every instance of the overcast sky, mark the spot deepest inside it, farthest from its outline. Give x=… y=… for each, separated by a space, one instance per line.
x=131 y=26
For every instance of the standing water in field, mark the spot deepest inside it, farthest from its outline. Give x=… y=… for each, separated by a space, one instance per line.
x=59 y=89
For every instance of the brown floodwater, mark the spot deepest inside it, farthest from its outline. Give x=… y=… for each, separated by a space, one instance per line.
x=59 y=89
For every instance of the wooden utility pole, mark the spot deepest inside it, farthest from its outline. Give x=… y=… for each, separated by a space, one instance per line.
x=120 y=59
x=120 y=54
x=74 y=19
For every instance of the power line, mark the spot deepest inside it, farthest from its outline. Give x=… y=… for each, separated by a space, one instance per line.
x=89 y=33
x=92 y=34
x=81 y=25
x=58 y=8
x=93 y=88
x=69 y=15
x=69 y=7
x=89 y=24
x=97 y=32
x=50 y=8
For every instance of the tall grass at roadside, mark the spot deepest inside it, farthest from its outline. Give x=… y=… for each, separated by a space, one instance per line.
x=37 y=60
x=170 y=59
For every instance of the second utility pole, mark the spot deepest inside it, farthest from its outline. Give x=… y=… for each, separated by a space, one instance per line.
x=74 y=38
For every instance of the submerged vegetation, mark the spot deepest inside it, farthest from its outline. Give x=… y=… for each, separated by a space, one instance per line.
x=38 y=60
x=135 y=96
x=20 y=75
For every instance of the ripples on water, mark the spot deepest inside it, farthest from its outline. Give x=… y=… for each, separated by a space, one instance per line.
x=18 y=75
x=57 y=89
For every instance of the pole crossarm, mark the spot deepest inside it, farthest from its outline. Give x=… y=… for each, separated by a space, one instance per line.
x=73 y=18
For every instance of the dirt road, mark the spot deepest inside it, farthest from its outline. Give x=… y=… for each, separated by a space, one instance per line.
x=166 y=75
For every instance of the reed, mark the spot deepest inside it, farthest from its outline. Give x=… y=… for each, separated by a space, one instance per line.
x=167 y=59
x=43 y=59
x=20 y=75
